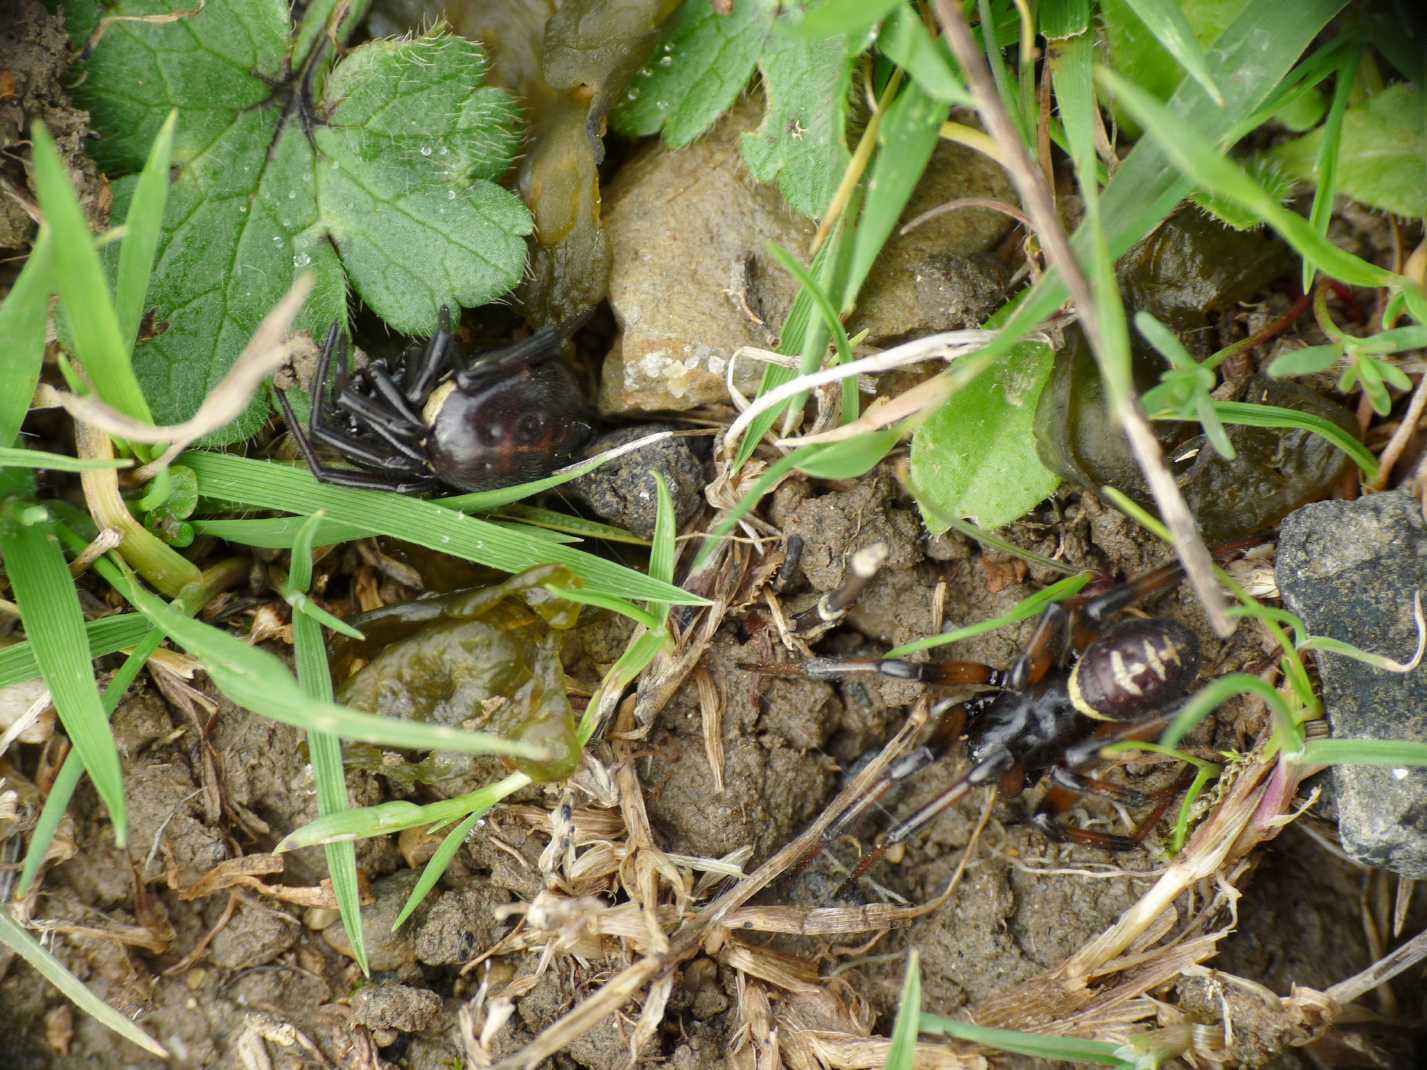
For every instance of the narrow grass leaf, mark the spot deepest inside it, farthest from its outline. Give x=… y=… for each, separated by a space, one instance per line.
x=82 y=286
x=11 y=457
x=1329 y=152
x=142 y=226
x=578 y=526
x=259 y=681
x=1023 y=610
x=1197 y=158
x=664 y=548
x=605 y=601
x=1364 y=752
x=325 y=750
x=830 y=319
x=1212 y=696
x=276 y=486
x=75 y=990
x=277 y=533
x=62 y=790
x=1167 y=23
x=1058 y=19
x=1038 y=1045
x=775 y=471
x=435 y=866
x=902 y=1052
x=397 y=815
x=103 y=636
x=54 y=623
x=1250 y=415
x=23 y=316
x=905 y=41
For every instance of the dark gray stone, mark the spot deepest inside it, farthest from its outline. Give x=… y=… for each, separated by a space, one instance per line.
x=1349 y=569
x=623 y=491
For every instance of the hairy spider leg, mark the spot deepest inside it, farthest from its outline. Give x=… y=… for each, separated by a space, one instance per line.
x=421 y=379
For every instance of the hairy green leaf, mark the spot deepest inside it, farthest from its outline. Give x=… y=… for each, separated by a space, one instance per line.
x=803 y=139
x=381 y=179
x=1382 y=156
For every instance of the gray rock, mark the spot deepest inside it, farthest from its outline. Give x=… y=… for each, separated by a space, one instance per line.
x=393 y=1006
x=386 y=950
x=623 y=491
x=1349 y=570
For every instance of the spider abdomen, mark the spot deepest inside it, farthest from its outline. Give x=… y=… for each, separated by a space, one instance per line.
x=511 y=426
x=1137 y=665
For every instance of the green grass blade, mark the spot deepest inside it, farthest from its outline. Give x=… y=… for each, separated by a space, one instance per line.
x=1022 y=610
x=830 y=321
x=1168 y=24
x=1250 y=415
x=325 y=749
x=1327 y=169
x=276 y=486
x=1199 y=159
x=902 y=1053
x=103 y=636
x=11 y=457
x=62 y=790
x=82 y=286
x=260 y=682
x=141 y=240
x=1364 y=752
x=22 y=326
x=388 y=817
x=578 y=526
x=54 y=624
x=75 y=990
x=1038 y=1045
x=435 y=866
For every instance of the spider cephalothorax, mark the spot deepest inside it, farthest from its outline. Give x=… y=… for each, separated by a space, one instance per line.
x=421 y=423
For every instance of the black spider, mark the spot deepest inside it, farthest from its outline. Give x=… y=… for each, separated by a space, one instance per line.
x=420 y=423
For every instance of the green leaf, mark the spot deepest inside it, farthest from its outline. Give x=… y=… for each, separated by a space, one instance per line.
x=844 y=16
x=54 y=623
x=803 y=138
x=1329 y=148
x=700 y=67
x=436 y=865
x=1309 y=360
x=906 y=42
x=11 y=457
x=1040 y=1045
x=384 y=182
x=853 y=457
x=23 y=316
x=1382 y=158
x=103 y=636
x=1059 y=19
x=976 y=455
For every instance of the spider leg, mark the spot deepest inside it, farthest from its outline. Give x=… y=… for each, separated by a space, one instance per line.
x=996 y=768
x=346 y=477
x=381 y=381
x=543 y=343
x=421 y=380
x=360 y=453
x=944 y=673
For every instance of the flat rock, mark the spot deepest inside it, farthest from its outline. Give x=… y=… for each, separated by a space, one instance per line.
x=1349 y=570
x=691 y=279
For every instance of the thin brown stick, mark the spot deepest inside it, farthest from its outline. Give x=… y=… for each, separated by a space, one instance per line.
x=1040 y=206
